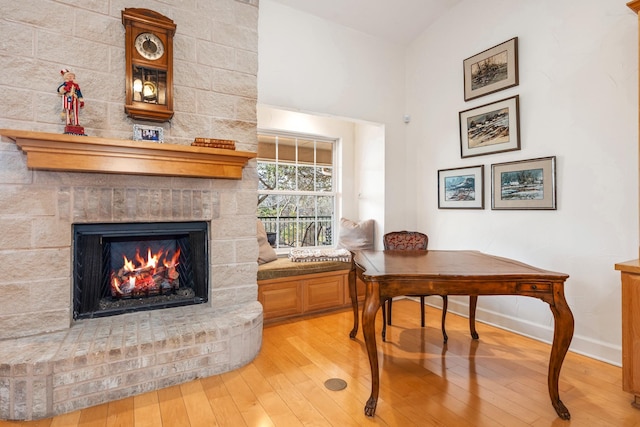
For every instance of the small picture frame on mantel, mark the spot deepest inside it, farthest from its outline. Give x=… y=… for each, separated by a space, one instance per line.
x=148 y=133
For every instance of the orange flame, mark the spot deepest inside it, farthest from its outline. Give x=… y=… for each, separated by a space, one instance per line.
x=174 y=260
x=139 y=275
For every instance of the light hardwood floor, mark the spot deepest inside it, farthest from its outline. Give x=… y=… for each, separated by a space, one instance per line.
x=500 y=380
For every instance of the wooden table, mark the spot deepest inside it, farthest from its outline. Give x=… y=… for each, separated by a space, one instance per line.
x=393 y=273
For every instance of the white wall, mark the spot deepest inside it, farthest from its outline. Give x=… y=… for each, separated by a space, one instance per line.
x=578 y=92
x=310 y=65
x=578 y=102
x=369 y=167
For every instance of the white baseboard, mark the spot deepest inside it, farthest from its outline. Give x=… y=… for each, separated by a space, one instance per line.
x=585 y=346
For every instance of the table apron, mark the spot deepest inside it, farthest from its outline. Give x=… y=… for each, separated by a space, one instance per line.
x=542 y=289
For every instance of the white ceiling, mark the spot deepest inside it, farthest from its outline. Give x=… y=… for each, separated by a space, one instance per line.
x=397 y=21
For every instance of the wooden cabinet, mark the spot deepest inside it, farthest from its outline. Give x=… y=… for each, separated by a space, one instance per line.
x=305 y=294
x=630 y=272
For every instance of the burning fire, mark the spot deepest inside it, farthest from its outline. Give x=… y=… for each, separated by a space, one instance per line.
x=146 y=277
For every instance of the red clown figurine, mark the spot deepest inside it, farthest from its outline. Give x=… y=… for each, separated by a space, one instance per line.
x=71 y=100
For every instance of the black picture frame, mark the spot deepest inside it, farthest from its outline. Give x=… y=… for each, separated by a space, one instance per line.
x=491 y=70
x=461 y=188
x=525 y=184
x=490 y=128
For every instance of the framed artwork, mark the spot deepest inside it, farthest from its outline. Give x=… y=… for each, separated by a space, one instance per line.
x=148 y=133
x=525 y=184
x=490 y=128
x=461 y=188
x=492 y=70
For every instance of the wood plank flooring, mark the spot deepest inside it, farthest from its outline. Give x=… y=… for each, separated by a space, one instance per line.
x=500 y=380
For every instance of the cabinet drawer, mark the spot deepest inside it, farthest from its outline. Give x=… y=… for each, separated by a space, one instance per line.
x=534 y=287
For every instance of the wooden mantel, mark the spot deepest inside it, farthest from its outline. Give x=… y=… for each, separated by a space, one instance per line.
x=77 y=153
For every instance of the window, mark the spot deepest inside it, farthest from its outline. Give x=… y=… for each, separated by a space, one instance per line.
x=296 y=189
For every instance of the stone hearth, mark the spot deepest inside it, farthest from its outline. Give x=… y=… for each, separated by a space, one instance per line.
x=110 y=358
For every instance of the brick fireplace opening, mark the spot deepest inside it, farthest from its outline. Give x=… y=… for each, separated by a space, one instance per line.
x=128 y=267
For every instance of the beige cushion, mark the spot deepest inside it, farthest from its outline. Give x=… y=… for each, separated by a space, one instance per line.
x=319 y=254
x=356 y=235
x=284 y=267
x=265 y=252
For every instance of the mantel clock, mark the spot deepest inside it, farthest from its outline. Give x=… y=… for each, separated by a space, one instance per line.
x=149 y=64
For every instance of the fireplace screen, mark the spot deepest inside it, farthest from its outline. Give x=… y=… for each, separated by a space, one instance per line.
x=120 y=268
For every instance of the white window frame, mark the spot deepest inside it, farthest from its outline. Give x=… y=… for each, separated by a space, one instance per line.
x=333 y=193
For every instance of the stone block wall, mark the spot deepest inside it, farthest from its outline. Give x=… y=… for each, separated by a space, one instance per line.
x=215 y=67
x=50 y=364
x=215 y=86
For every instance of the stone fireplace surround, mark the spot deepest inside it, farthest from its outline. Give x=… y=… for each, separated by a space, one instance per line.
x=50 y=364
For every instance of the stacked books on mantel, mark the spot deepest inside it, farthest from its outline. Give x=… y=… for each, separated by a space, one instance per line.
x=227 y=144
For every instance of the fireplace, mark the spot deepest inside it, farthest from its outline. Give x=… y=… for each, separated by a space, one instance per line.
x=60 y=350
x=125 y=267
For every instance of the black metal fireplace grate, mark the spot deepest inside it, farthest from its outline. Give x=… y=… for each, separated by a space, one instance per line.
x=98 y=253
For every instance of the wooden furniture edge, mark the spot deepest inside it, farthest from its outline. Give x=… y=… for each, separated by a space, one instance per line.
x=630 y=298
x=632 y=266
x=79 y=153
x=634 y=5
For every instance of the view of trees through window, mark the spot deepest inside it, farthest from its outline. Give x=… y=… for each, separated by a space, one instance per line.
x=296 y=189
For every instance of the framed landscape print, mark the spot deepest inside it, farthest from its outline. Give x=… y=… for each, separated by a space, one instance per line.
x=461 y=188
x=526 y=184
x=492 y=70
x=490 y=128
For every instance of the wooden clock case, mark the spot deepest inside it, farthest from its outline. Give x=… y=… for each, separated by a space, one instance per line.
x=155 y=74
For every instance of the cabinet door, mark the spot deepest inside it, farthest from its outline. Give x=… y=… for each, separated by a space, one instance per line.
x=323 y=292
x=280 y=300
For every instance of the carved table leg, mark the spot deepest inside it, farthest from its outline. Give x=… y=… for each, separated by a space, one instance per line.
x=353 y=293
x=385 y=315
x=445 y=307
x=371 y=306
x=473 y=303
x=562 y=335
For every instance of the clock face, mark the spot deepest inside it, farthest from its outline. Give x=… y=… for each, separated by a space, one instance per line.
x=149 y=46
